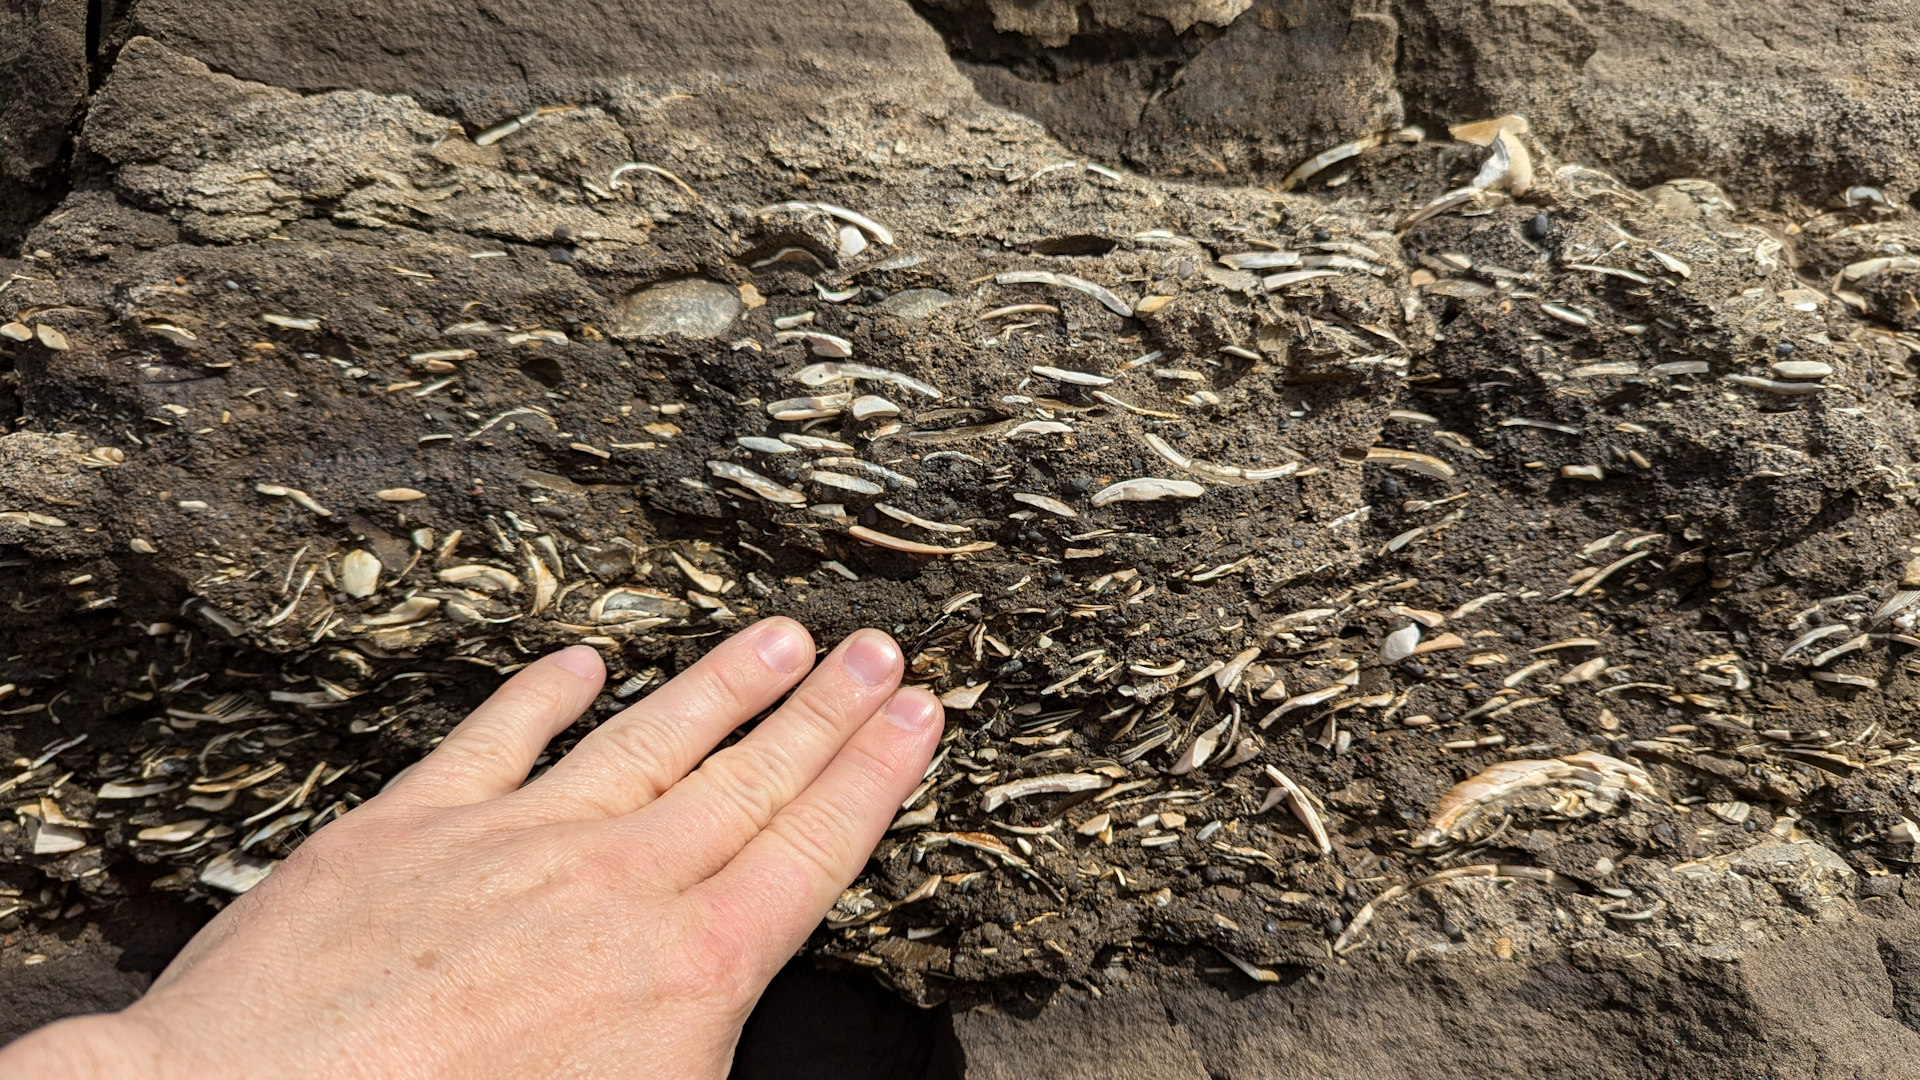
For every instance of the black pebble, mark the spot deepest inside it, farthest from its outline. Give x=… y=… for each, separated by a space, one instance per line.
x=562 y=234
x=1321 y=236
x=1785 y=348
x=1538 y=226
x=561 y=255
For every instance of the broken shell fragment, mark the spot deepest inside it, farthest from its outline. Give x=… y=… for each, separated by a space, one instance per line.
x=754 y=482
x=628 y=604
x=359 y=573
x=1603 y=781
x=1302 y=808
x=1400 y=644
x=235 y=871
x=1801 y=369
x=880 y=233
x=1047 y=503
x=410 y=610
x=16 y=331
x=964 y=698
x=1101 y=293
x=880 y=539
x=399 y=494
x=1408 y=461
x=482 y=577
x=821 y=344
x=1076 y=378
x=289 y=322
x=1147 y=489
x=1056 y=784
x=809 y=408
x=868 y=406
x=1200 y=751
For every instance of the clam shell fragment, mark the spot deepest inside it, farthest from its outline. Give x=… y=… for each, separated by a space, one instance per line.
x=1147 y=489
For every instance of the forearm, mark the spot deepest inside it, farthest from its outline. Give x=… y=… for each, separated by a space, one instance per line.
x=107 y=1047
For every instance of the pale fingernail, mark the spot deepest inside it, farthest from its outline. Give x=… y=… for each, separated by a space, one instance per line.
x=871 y=657
x=581 y=660
x=784 y=648
x=913 y=711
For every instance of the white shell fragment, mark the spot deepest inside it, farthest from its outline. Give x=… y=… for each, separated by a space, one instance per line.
x=1261 y=260
x=482 y=577
x=762 y=445
x=1047 y=503
x=53 y=838
x=898 y=514
x=809 y=408
x=359 y=573
x=1147 y=489
x=410 y=610
x=828 y=373
x=880 y=539
x=868 y=406
x=757 y=484
x=623 y=605
x=1200 y=751
x=1325 y=159
x=1076 y=378
x=1400 y=644
x=845 y=482
x=289 y=322
x=1107 y=297
x=1056 y=784
x=880 y=233
x=822 y=344
x=1603 y=781
x=1302 y=808
x=235 y=871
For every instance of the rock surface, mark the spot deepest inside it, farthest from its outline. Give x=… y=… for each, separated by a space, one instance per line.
x=1565 y=429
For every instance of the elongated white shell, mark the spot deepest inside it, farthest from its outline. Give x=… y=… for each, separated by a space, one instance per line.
x=1148 y=489
x=754 y=482
x=1056 y=784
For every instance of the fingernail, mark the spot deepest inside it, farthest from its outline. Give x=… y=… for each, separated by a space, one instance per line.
x=784 y=648
x=871 y=657
x=913 y=711
x=582 y=660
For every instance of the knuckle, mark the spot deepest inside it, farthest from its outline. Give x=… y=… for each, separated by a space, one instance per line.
x=749 y=777
x=820 y=836
x=640 y=759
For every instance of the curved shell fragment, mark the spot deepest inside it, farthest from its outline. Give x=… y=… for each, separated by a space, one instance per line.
x=481 y=576
x=1108 y=299
x=809 y=408
x=1147 y=489
x=410 y=610
x=755 y=483
x=1603 y=780
x=822 y=344
x=1075 y=378
x=626 y=604
x=1056 y=784
x=880 y=539
x=1048 y=503
x=880 y=233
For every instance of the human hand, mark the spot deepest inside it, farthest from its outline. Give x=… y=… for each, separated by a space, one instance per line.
x=619 y=915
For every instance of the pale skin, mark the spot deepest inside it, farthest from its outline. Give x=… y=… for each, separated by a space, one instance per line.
x=617 y=916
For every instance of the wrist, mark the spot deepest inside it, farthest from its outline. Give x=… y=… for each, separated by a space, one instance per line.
x=109 y=1046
